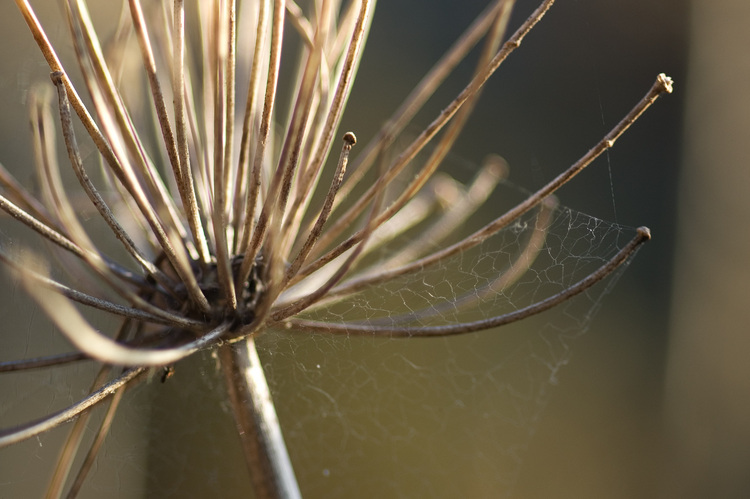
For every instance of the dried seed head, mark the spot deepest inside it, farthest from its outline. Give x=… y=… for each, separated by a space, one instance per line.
x=240 y=234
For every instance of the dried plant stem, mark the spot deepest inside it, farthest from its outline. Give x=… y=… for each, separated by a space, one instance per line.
x=180 y=164
x=99 y=346
x=610 y=266
x=422 y=92
x=500 y=284
x=91 y=192
x=262 y=442
x=36 y=427
x=40 y=362
x=404 y=159
x=75 y=437
x=309 y=299
x=662 y=85
x=149 y=313
x=185 y=177
x=250 y=123
x=264 y=129
x=101 y=434
x=314 y=234
x=125 y=175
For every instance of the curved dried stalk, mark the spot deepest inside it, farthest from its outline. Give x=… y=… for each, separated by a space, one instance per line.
x=662 y=85
x=41 y=362
x=72 y=443
x=446 y=115
x=93 y=194
x=252 y=237
x=424 y=90
x=317 y=229
x=497 y=286
x=469 y=327
x=101 y=434
x=33 y=428
x=148 y=313
x=91 y=342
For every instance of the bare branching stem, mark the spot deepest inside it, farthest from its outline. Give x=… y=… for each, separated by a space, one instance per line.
x=149 y=313
x=75 y=436
x=124 y=175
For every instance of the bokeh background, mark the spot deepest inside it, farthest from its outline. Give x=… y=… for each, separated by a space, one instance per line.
x=652 y=402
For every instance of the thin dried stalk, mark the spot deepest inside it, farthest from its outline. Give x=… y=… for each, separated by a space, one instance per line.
x=33 y=428
x=662 y=85
x=468 y=327
x=424 y=138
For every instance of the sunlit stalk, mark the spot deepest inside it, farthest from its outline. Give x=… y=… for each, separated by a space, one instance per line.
x=258 y=426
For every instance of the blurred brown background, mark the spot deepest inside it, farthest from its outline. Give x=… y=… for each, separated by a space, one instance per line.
x=653 y=400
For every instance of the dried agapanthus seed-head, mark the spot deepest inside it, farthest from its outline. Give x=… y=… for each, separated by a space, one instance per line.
x=236 y=219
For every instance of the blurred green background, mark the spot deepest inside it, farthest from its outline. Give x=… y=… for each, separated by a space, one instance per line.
x=640 y=410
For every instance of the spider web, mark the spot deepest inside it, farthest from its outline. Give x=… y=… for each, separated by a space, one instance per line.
x=363 y=416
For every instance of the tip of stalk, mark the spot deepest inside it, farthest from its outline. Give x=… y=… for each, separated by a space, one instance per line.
x=666 y=82
x=350 y=138
x=56 y=77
